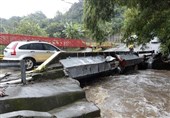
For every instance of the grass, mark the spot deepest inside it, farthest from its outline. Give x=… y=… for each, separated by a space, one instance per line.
x=2 y=49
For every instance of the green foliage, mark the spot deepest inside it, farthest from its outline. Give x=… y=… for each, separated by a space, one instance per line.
x=29 y=27
x=130 y=17
x=96 y=10
x=2 y=47
x=58 y=17
x=144 y=18
x=2 y=29
x=38 y=18
x=74 y=14
x=147 y=20
x=73 y=31
x=55 y=29
x=9 y=25
x=38 y=24
x=102 y=18
x=94 y=14
x=165 y=47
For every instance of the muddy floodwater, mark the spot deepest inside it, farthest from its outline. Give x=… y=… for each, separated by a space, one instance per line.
x=142 y=94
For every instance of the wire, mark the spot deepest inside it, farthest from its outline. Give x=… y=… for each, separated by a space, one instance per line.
x=67 y=2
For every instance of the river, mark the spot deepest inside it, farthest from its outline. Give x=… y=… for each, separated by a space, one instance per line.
x=142 y=94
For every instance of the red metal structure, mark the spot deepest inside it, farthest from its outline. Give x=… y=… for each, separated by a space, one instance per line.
x=5 y=39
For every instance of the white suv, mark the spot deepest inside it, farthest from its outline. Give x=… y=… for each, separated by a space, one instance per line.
x=32 y=52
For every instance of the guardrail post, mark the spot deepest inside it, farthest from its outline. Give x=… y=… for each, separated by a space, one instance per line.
x=23 y=72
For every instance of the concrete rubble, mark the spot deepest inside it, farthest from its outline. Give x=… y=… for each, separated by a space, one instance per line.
x=45 y=96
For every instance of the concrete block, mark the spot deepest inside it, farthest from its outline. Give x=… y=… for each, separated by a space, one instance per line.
x=27 y=114
x=79 y=109
x=42 y=96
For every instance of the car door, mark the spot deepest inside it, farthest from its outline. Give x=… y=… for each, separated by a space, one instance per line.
x=50 y=50
x=38 y=52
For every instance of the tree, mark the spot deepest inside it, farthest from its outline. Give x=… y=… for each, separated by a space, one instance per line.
x=38 y=18
x=73 y=31
x=74 y=14
x=9 y=25
x=55 y=29
x=29 y=27
x=2 y=29
x=38 y=24
x=150 y=19
x=146 y=19
x=99 y=17
x=58 y=17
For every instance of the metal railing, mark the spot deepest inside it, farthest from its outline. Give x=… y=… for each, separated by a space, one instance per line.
x=20 y=65
x=5 y=39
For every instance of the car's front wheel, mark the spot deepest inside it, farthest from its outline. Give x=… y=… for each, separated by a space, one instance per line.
x=30 y=63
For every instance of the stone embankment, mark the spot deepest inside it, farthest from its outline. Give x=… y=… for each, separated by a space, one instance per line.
x=46 y=95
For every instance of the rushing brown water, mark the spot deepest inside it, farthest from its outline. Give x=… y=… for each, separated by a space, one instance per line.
x=144 y=94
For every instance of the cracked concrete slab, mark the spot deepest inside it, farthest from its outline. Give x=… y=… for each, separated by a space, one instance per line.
x=41 y=96
x=27 y=114
x=81 y=108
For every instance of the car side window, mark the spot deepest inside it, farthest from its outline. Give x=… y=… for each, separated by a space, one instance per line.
x=24 y=47
x=50 y=47
x=36 y=46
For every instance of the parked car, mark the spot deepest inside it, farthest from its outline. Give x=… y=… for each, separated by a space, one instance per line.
x=33 y=52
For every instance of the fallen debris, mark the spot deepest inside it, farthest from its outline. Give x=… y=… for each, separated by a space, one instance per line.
x=4 y=76
x=2 y=92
